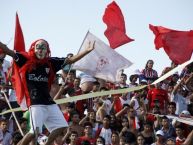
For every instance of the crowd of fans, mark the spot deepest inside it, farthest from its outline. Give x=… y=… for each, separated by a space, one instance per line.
x=142 y=117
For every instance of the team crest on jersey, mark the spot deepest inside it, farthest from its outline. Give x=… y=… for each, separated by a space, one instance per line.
x=47 y=70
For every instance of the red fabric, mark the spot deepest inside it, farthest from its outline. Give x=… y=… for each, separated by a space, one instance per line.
x=115 y=32
x=19 y=45
x=83 y=138
x=177 y=44
x=117 y=105
x=159 y=94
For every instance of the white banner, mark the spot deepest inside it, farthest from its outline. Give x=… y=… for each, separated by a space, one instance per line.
x=103 y=62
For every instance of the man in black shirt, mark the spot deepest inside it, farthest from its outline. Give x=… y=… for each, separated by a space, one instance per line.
x=37 y=70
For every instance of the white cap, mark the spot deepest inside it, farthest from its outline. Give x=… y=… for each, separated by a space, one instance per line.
x=160 y=132
x=185 y=112
x=143 y=81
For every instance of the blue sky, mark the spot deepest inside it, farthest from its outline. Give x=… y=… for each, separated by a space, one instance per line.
x=64 y=23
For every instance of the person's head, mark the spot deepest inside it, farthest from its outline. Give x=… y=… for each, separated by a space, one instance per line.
x=23 y=123
x=76 y=82
x=149 y=64
x=147 y=126
x=125 y=122
x=165 y=122
x=130 y=137
x=140 y=139
x=122 y=140
x=88 y=128
x=40 y=49
x=75 y=117
x=179 y=130
x=160 y=136
x=96 y=86
x=171 y=107
x=2 y=57
x=73 y=136
x=100 y=141
x=133 y=78
x=123 y=78
x=171 y=141
x=71 y=76
x=115 y=137
x=156 y=110
x=106 y=121
x=3 y=124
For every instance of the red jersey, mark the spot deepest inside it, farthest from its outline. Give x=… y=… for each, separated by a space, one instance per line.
x=157 y=94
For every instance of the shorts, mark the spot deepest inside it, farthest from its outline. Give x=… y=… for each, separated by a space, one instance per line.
x=49 y=115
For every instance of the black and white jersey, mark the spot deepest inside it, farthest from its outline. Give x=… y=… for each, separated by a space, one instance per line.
x=37 y=79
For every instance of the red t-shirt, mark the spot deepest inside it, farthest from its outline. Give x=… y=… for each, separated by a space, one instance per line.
x=83 y=138
x=158 y=94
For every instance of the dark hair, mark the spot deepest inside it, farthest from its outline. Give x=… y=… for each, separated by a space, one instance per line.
x=85 y=142
x=22 y=120
x=180 y=126
x=148 y=62
x=103 y=140
x=88 y=124
x=172 y=104
x=165 y=117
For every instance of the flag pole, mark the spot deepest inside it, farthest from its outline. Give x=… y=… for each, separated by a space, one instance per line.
x=6 y=98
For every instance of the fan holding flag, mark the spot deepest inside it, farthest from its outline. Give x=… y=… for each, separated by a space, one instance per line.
x=37 y=70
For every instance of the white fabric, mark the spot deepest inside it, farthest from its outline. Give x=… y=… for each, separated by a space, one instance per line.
x=106 y=134
x=103 y=62
x=49 y=115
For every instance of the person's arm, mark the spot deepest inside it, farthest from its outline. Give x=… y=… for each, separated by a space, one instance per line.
x=90 y=47
x=6 y=50
x=189 y=139
x=178 y=86
x=189 y=82
x=84 y=119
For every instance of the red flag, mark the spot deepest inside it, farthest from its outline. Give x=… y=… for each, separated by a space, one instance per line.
x=115 y=32
x=177 y=44
x=19 y=45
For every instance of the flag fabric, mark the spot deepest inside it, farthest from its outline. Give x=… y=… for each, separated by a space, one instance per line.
x=103 y=62
x=19 y=45
x=115 y=32
x=177 y=44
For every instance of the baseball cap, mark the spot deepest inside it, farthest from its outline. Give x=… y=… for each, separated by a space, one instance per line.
x=185 y=112
x=160 y=132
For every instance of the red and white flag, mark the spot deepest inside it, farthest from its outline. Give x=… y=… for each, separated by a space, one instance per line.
x=103 y=62
x=115 y=32
x=177 y=44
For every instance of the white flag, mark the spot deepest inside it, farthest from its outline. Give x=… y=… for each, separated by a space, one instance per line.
x=103 y=62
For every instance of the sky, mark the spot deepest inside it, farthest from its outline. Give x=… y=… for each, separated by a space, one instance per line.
x=64 y=24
